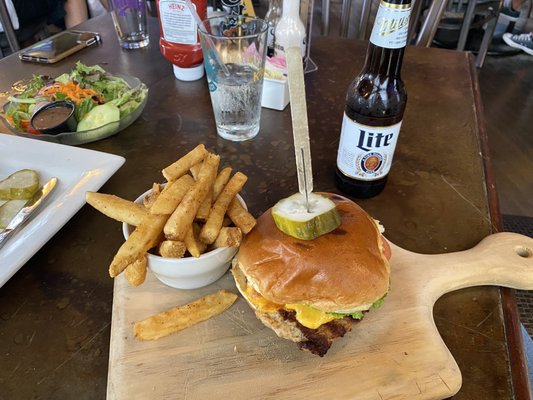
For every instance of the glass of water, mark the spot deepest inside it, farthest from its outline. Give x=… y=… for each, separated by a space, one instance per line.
x=129 y=18
x=234 y=50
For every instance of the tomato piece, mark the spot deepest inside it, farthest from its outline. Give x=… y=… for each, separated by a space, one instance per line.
x=25 y=124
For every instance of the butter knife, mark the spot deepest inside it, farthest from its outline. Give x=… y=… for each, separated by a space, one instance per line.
x=27 y=210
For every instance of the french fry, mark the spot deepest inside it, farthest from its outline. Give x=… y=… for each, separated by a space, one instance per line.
x=205 y=207
x=179 y=318
x=135 y=273
x=117 y=208
x=151 y=197
x=211 y=228
x=172 y=249
x=181 y=219
x=193 y=244
x=220 y=182
x=172 y=195
x=228 y=237
x=240 y=217
x=142 y=239
x=195 y=170
x=181 y=166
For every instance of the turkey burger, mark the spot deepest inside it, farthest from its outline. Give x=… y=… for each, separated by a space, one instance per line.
x=311 y=291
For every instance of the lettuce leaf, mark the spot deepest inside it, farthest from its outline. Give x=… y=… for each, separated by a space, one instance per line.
x=361 y=314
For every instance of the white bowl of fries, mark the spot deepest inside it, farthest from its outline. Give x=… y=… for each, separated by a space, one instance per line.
x=187 y=272
x=185 y=231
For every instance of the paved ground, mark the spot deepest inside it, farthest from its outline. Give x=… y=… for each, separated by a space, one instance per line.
x=524 y=299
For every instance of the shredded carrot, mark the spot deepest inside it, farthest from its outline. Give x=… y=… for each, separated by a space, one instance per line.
x=9 y=119
x=73 y=91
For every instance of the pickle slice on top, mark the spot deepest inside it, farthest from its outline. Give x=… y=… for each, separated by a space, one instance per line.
x=292 y=218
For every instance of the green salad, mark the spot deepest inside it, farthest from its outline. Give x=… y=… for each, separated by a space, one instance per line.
x=99 y=98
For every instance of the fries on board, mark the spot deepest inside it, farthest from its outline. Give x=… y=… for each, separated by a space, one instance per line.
x=195 y=211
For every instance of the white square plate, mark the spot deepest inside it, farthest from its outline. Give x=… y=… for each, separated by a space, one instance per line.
x=78 y=170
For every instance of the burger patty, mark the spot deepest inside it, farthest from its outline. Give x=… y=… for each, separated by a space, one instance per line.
x=317 y=341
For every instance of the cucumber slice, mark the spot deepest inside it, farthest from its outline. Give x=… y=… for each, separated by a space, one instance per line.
x=19 y=185
x=99 y=116
x=291 y=216
x=8 y=210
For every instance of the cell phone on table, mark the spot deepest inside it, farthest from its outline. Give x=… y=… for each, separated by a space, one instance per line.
x=59 y=46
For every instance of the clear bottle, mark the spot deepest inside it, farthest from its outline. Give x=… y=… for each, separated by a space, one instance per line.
x=375 y=104
x=290 y=30
x=272 y=18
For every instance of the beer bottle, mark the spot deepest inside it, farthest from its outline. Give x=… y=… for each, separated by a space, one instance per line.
x=374 y=107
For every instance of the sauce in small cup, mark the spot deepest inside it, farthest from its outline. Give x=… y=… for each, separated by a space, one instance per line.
x=56 y=117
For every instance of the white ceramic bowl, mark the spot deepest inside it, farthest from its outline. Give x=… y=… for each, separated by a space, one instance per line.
x=188 y=272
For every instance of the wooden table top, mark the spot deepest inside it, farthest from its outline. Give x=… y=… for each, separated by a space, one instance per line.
x=55 y=312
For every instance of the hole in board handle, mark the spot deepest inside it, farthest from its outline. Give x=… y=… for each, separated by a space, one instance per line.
x=523 y=251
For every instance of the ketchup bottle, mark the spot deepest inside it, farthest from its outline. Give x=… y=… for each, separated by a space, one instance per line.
x=179 y=41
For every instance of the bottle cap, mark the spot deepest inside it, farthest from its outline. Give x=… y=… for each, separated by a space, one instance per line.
x=189 y=74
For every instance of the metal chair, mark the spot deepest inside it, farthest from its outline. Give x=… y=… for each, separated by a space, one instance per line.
x=361 y=24
x=464 y=16
x=8 y=29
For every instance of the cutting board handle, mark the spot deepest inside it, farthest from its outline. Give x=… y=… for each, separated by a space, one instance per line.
x=502 y=259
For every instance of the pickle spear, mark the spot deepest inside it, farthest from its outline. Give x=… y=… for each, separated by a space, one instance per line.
x=291 y=216
x=20 y=185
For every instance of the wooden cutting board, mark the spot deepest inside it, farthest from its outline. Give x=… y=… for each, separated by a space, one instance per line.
x=397 y=348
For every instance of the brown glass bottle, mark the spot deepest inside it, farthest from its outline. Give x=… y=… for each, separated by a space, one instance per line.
x=374 y=108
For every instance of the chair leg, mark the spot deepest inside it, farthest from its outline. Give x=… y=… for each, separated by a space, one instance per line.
x=345 y=17
x=363 y=20
x=325 y=17
x=465 y=27
x=416 y=11
x=485 y=42
x=431 y=23
x=8 y=28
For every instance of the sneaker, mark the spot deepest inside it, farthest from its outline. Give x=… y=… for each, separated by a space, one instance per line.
x=523 y=41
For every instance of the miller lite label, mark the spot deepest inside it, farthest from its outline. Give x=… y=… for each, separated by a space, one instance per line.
x=391 y=26
x=365 y=152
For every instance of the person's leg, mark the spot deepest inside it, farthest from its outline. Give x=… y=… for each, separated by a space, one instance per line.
x=517 y=4
x=511 y=8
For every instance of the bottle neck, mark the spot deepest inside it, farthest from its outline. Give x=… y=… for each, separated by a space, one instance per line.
x=384 y=62
x=388 y=38
x=274 y=11
x=291 y=9
x=275 y=4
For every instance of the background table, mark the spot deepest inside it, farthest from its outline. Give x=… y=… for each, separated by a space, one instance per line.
x=55 y=312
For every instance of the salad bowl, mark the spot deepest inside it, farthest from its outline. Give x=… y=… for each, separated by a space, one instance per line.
x=90 y=135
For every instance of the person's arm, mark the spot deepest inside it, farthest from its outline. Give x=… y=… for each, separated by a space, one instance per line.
x=76 y=12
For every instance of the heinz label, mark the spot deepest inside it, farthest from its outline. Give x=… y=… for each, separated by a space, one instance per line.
x=365 y=152
x=177 y=23
x=391 y=25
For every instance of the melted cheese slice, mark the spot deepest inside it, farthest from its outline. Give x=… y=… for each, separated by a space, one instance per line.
x=307 y=316
x=310 y=317
x=260 y=302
